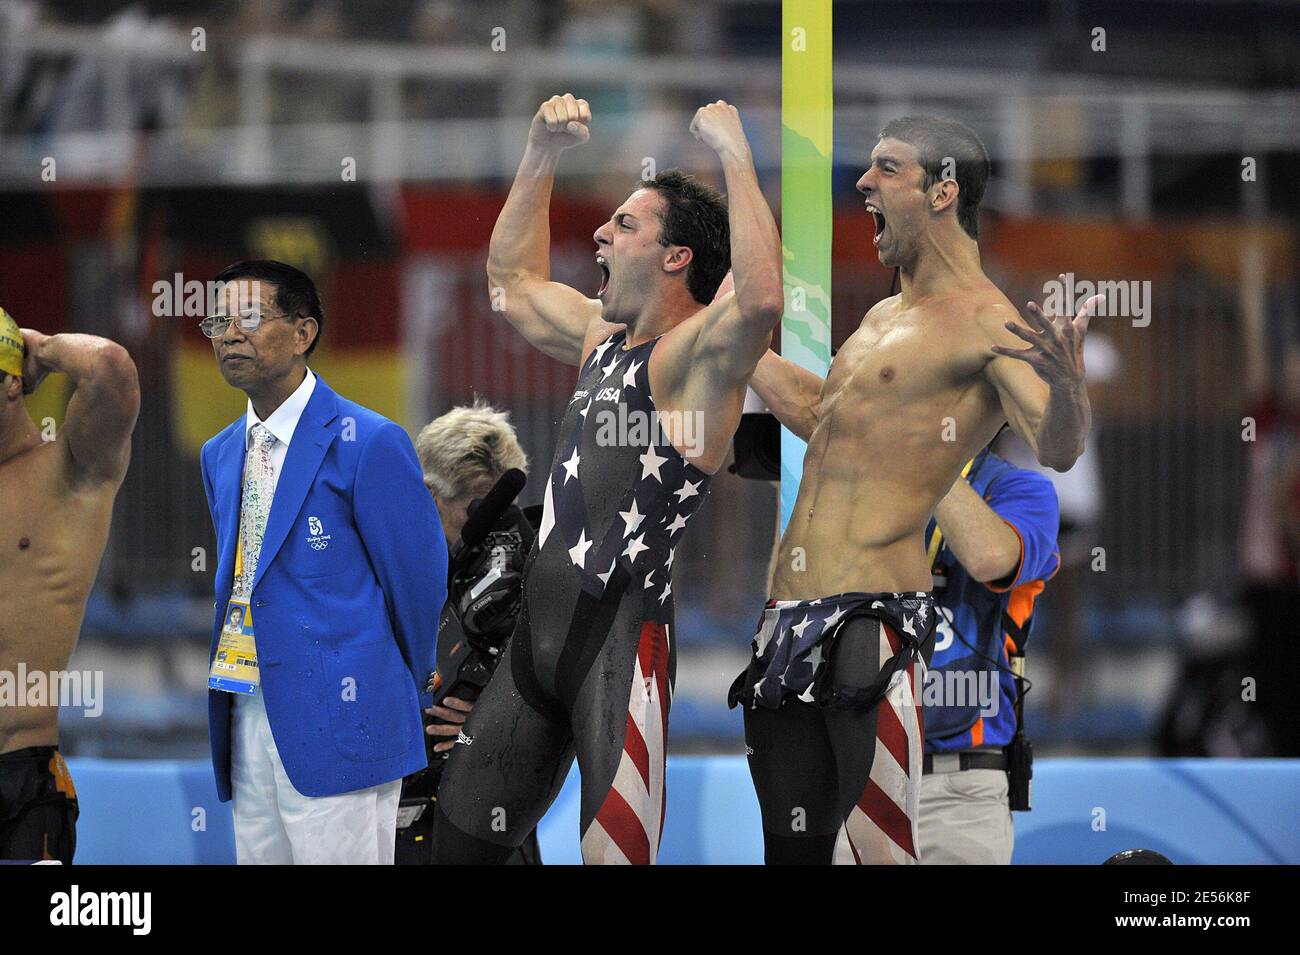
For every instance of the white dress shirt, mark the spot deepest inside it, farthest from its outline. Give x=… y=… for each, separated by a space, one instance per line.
x=282 y=422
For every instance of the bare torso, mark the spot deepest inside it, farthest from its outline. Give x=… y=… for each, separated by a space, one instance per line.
x=904 y=407
x=52 y=536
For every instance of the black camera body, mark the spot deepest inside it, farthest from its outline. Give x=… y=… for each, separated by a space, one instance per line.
x=484 y=591
x=483 y=597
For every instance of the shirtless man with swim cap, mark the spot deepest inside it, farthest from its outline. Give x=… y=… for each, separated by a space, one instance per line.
x=832 y=721
x=56 y=503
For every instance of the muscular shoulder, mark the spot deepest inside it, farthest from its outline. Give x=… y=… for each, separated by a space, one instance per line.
x=884 y=309
x=886 y=306
x=990 y=310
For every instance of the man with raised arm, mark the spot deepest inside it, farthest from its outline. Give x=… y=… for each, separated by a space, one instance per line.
x=661 y=384
x=56 y=504
x=832 y=726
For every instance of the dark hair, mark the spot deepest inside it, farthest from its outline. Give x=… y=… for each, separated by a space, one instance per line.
x=696 y=217
x=295 y=292
x=937 y=140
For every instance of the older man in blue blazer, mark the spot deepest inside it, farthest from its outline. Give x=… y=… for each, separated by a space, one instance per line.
x=331 y=575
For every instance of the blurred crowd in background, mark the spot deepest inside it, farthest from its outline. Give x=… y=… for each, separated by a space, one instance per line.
x=371 y=142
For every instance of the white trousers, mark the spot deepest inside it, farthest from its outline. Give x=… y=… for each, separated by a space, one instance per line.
x=277 y=825
x=965 y=820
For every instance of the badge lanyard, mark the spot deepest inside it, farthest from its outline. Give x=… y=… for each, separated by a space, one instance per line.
x=234 y=666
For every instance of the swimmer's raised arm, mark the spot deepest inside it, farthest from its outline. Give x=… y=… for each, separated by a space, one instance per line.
x=103 y=409
x=553 y=317
x=1042 y=387
x=732 y=334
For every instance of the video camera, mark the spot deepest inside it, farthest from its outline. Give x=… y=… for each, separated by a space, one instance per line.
x=484 y=590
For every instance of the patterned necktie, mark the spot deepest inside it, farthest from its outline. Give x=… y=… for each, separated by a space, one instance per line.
x=255 y=505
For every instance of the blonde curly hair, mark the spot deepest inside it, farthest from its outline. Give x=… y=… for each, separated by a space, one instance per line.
x=466 y=445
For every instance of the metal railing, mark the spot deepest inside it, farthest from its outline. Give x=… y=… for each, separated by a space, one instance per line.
x=289 y=110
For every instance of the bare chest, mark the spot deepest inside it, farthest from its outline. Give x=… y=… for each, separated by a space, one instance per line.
x=44 y=529
x=887 y=364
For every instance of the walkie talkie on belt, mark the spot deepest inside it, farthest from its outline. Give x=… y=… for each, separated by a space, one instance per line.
x=1019 y=752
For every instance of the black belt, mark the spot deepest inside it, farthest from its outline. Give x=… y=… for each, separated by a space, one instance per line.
x=962 y=762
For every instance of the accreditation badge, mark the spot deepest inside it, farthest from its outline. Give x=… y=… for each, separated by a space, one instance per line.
x=234 y=668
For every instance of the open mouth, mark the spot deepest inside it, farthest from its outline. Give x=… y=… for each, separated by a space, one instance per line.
x=604 y=275
x=879 y=218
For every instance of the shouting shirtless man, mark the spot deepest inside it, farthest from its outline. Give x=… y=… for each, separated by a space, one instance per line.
x=661 y=387
x=56 y=502
x=914 y=393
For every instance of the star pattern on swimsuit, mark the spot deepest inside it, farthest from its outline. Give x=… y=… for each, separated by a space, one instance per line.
x=792 y=645
x=578 y=552
x=604 y=578
x=651 y=463
x=632 y=519
x=634 y=547
x=571 y=466
x=600 y=349
x=633 y=539
x=687 y=490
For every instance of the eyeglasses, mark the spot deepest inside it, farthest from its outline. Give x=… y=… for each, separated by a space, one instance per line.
x=214 y=326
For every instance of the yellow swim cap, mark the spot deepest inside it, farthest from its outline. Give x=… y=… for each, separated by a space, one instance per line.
x=11 y=345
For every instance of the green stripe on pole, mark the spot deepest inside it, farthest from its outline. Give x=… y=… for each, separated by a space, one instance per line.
x=807 y=126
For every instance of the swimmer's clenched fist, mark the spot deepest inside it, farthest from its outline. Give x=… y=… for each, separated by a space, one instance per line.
x=717 y=125
x=561 y=122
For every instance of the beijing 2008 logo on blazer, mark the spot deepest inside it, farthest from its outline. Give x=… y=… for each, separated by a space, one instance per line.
x=318 y=539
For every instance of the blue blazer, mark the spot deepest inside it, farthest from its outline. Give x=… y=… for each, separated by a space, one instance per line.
x=350 y=583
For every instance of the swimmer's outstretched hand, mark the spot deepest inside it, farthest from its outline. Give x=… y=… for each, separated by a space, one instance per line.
x=1055 y=349
x=561 y=122
x=718 y=127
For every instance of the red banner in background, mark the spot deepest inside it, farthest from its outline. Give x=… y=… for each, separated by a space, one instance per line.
x=364 y=258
